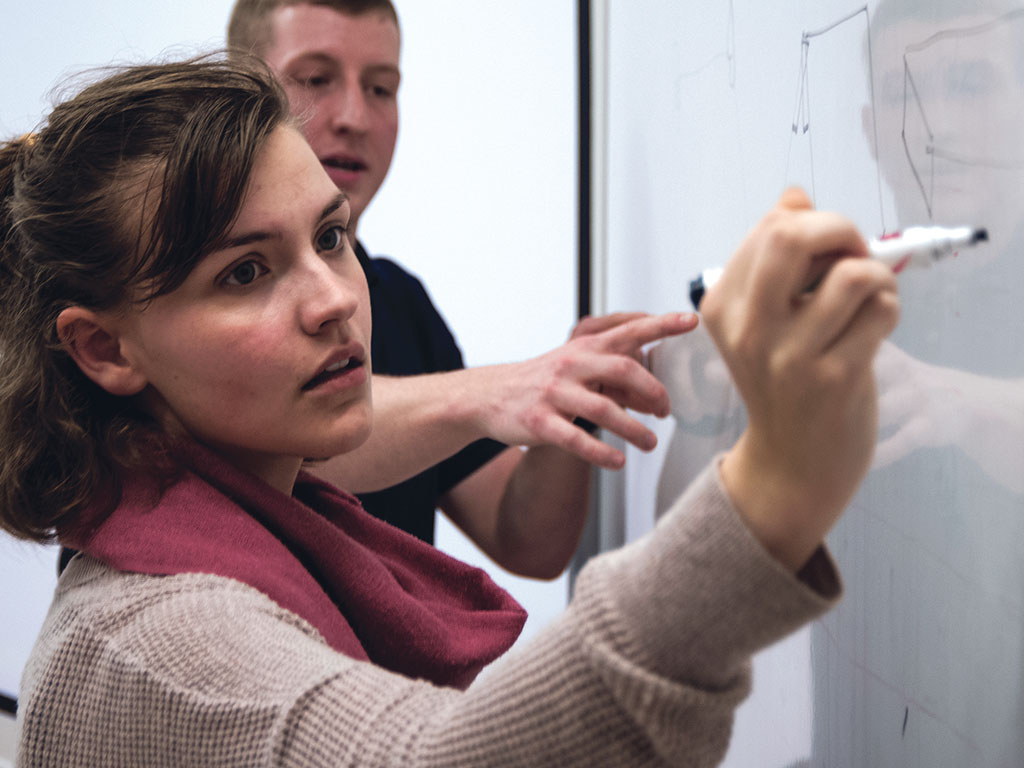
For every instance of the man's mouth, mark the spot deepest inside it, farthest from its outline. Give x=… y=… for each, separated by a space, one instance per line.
x=344 y=163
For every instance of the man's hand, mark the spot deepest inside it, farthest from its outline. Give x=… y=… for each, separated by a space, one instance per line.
x=597 y=375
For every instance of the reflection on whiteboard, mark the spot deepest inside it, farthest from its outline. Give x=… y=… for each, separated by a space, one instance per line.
x=971 y=76
x=915 y=109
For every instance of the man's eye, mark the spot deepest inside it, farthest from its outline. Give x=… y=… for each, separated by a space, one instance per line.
x=314 y=80
x=331 y=238
x=245 y=273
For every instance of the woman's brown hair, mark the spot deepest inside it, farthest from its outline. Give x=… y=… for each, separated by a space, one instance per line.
x=115 y=199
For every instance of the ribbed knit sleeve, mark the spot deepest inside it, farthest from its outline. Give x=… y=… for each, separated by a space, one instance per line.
x=645 y=668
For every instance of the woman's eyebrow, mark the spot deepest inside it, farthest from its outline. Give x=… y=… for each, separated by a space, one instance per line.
x=248 y=238
x=339 y=200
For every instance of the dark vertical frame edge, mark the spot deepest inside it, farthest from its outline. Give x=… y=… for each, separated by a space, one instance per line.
x=584 y=133
x=589 y=543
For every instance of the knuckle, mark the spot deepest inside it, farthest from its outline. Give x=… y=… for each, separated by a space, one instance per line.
x=549 y=390
x=585 y=327
x=786 y=367
x=773 y=217
x=748 y=346
x=622 y=367
x=601 y=411
x=712 y=312
x=579 y=443
x=561 y=368
x=784 y=236
x=855 y=275
x=889 y=302
x=833 y=373
x=534 y=421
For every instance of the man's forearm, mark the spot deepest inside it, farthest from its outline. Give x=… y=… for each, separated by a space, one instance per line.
x=543 y=511
x=524 y=509
x=418 y=422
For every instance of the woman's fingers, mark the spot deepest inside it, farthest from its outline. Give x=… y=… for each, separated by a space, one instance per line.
x=845 y=293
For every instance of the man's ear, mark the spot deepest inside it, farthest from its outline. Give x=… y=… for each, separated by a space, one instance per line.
x=94 y=343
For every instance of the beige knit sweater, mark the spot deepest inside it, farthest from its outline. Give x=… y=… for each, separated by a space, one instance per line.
x=645 y=667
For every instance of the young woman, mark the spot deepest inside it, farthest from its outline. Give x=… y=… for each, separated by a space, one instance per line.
x=184 y=323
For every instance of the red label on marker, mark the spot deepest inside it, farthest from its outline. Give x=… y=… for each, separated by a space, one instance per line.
x=901 y=264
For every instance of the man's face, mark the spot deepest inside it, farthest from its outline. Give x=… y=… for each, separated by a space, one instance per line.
x=341 y=74
x=955 y=120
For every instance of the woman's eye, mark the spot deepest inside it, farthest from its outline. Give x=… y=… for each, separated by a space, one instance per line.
x=331 y=239
x=245 y=273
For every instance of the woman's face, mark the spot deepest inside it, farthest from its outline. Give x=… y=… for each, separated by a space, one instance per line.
x=263 y=352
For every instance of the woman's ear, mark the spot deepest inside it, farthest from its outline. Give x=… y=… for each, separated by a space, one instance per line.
x=94 y=342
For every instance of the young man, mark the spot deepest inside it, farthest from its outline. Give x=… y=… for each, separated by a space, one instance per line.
x=339 y=62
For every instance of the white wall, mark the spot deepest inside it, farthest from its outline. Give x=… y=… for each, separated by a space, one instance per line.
x=480 y=202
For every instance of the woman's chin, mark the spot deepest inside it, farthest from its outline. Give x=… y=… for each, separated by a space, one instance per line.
x=352 y=438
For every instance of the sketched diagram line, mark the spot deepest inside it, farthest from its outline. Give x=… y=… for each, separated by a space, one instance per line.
x=911 y=95
x=801 y=123
x=729 y=54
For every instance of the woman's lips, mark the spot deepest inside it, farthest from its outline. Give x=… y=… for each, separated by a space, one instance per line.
x=338 y=376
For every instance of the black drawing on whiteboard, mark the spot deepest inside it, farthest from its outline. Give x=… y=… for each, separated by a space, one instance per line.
x=728 y=55
x=801 y=123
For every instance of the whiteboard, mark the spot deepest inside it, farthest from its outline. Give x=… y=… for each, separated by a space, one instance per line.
x=895 y=113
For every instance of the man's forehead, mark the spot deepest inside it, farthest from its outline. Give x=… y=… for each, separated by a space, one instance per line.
x=304 y=21
x=299 y=37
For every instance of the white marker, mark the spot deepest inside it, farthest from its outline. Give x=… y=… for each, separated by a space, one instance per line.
x=913 y=247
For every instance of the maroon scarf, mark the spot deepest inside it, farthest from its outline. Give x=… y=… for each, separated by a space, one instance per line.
x=372 y=591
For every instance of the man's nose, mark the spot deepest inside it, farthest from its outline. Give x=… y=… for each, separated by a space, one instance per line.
x=349 y=109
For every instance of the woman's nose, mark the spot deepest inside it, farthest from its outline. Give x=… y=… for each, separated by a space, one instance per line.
x=326 y=297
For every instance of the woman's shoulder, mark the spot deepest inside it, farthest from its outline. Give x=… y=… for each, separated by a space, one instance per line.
x=119 y=601
x=224 y=637
x=202 y=662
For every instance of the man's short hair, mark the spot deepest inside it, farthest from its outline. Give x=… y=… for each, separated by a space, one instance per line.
x=249 y=25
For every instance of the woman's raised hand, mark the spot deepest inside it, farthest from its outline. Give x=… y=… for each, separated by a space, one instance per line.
x=802 y=360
